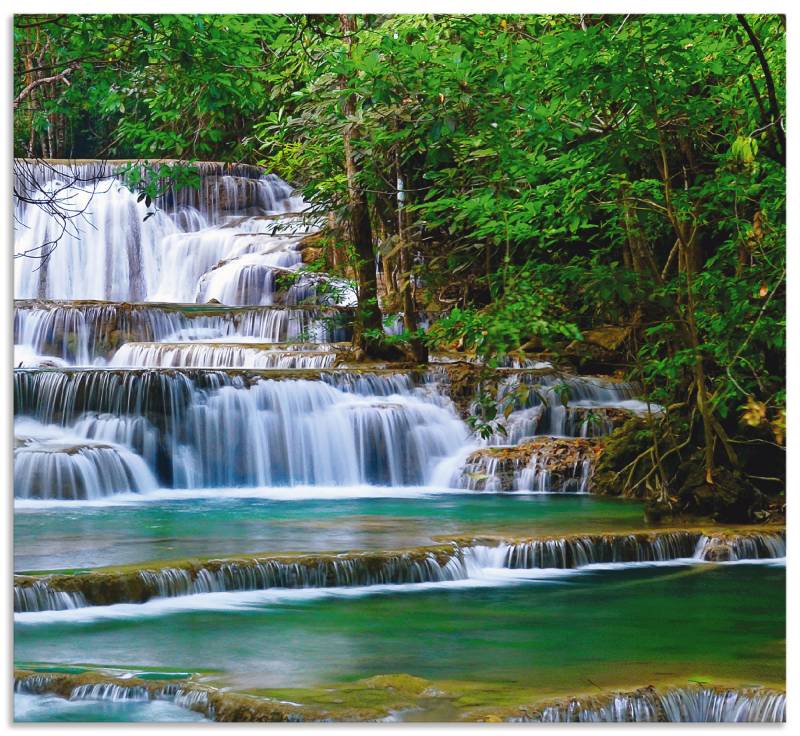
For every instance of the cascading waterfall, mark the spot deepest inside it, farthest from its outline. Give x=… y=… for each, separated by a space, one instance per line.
x=196 y=700
x=563 y=406
x=39 y=596
x=109 y=691
x=693 y=704
x=33 y=684
x=342 y=431
x=89 y=333
x=149 y=346
x=225 y=265
x=106 y=253
x=675 y=705
x=537 y=476
x=576 y=552
x=106 y=249
x=117 y=690
x=456 y=562
x=539 y=465
x=50 y=463
x=398 y=569
x=227 y=240
x=538 y=473
x=218 y=355
x=742 y=547
x=731 y=706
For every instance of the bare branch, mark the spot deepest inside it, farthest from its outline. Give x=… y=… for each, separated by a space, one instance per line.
x=60 y=77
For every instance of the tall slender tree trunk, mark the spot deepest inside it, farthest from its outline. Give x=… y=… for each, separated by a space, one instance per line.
x=410 y=317
x=368 y=314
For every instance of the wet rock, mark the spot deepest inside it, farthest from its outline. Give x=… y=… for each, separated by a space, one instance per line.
x=541 y=464
x=731 y=497
x=719 y=550
x=656 y=510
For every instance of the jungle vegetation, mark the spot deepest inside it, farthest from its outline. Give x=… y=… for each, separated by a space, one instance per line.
x=527 y=183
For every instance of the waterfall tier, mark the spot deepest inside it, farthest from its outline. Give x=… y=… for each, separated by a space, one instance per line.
x=83 y=333
x=674 y=705
x=346 y=429
x=220 y=354
x=545 y=402
x=83 y=233
x=541 y=465
x=456 y=561
x=693 y=704
x=303 y=423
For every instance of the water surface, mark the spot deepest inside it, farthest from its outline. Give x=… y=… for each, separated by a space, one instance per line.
x=60 y=536
x=49 y=708
x=629 y=626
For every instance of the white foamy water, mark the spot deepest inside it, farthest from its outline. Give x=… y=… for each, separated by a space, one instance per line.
x=477 y=577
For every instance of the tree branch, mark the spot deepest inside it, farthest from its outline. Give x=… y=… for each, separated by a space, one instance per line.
x=61 y=76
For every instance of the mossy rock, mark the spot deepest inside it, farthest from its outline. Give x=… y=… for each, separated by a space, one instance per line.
x=621 y=448
x=731 y=497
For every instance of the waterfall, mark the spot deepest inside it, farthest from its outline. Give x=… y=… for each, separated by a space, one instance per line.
x=706 y=705
x=346 y=430
x=218 y=355
x=564 y=406
x=576 y=552
x=39 y=596
x=88 y=333
x=753 y=546
x=692 y=704
x=33 y=684
x=62 y=684
x=108 y=252
x=51 y=463
x=675 y=705
x=542 y=465
x=188 y=249
x=422 y=565
x=109 y=691
x=195 y=699
x=215 y=576
x=385 y=569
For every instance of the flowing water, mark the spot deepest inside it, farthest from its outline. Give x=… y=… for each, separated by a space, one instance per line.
x=184 y=409
x=82 y=535
x=37 y=708
x=556 y=632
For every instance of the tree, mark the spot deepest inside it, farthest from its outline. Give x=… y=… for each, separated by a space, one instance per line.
x=523 y=179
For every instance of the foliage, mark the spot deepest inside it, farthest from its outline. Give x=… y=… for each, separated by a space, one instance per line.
x=527 y=177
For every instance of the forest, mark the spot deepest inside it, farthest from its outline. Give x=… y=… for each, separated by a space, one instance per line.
x=558 y=243
x=526 y=182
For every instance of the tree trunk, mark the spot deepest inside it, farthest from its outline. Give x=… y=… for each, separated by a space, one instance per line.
x=368 y=314
x=410 y=319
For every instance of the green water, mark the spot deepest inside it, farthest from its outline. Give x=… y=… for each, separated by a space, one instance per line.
x=70 y=536
x=613 y=628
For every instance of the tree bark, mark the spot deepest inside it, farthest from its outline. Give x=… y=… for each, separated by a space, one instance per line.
x=419 y=350
x=368 y=314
